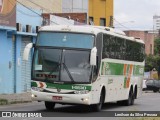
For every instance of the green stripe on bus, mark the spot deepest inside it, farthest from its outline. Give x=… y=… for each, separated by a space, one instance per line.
x=108 y=68
x=34 y=84
x=125 y=81
x=111 y=68
x=138 y=70
x=65 y=86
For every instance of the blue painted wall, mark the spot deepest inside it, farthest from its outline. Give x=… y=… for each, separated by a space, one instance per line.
x=6 y=82
x=28 y=17
x=10 y=78
x=18 y=64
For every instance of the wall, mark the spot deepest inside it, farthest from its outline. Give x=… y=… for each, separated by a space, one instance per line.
x=75 y=6
x=148 y=38
x=6 y=64
x=101 y=9
x=7 y=30
x=156 y=22
x=79 y=17
x=8 y=13
x=47 y=6
x=27 y=17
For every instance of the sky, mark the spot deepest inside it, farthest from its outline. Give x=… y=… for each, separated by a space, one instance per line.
x=135 y=14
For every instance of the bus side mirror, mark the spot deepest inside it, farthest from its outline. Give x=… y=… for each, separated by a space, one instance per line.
x=93 y=56
x=27 y=50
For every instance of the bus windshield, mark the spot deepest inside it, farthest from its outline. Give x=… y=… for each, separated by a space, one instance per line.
x=61 y=65
x=73 y=40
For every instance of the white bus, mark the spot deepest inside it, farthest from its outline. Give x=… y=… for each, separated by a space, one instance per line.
x=85 y=65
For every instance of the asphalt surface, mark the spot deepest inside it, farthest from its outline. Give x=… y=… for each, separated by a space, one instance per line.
x=149 y=101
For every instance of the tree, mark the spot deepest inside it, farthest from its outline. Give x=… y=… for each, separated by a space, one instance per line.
x=149 y=63
x=153 y=61
x=157 y=46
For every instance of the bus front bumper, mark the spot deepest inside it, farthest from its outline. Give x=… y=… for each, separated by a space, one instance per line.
x=62 y=98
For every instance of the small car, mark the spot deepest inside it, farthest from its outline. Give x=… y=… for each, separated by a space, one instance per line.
x=153 y=84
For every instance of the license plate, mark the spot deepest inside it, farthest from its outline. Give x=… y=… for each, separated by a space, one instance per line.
x=57 y=97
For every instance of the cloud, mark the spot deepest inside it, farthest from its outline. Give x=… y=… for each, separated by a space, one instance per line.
x=139 y=11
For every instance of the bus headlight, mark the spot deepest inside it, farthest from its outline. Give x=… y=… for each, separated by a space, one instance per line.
x=81 y=92
x=37 y=89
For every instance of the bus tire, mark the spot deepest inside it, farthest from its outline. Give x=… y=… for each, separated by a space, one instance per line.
x=130 y=100
x=49 y=105
x=135 y=92
x=155 y=90
x=98 y=107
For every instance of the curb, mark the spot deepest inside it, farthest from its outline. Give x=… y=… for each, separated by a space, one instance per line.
x=15 y=98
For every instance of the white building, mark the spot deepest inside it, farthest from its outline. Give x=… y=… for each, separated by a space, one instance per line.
x=75 y=6
x=156 y=22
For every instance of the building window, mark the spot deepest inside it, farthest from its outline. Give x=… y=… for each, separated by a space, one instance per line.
x=91 y=21
x=102 y=22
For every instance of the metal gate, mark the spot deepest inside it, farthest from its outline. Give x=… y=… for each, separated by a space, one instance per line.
x=13 y=64
x=26 y=67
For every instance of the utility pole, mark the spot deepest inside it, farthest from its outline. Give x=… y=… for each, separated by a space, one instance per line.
x=72 y=6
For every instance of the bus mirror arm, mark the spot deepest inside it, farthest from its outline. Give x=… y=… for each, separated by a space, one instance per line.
x=27 y=50
x=93 y=57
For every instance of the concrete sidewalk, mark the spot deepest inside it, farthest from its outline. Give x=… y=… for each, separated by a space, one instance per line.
x=15 y=98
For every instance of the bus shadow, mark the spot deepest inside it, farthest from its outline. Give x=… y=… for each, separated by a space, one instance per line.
x=82 y=109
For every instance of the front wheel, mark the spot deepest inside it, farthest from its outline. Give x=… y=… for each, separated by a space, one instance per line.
x=98 y=107
x=49 y=105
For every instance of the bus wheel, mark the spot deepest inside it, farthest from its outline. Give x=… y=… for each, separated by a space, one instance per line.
x=98 y=107
x=49 y=105
x=130 y=100
x=155 y=90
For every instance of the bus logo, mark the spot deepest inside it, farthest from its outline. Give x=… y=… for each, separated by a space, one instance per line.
x=141 y=70
x=58 y=90
x=79 y=87
x=105 y=69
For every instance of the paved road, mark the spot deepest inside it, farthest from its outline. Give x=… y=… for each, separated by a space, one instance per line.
x=147 y=102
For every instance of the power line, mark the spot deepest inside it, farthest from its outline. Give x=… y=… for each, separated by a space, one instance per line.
x=121 y=24
x=39 y=5
x=28 y=8
x=48 y=10
x=33 y=11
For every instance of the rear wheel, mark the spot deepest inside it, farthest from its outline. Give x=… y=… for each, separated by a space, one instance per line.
x=49 y=105
x=129 y=101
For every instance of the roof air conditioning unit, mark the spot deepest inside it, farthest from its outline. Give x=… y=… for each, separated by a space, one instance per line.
x=37 y=28
x=28 y=28
x=19 y=27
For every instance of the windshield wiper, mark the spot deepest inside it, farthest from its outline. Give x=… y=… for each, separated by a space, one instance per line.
x=54 y=69
x=68 y=72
